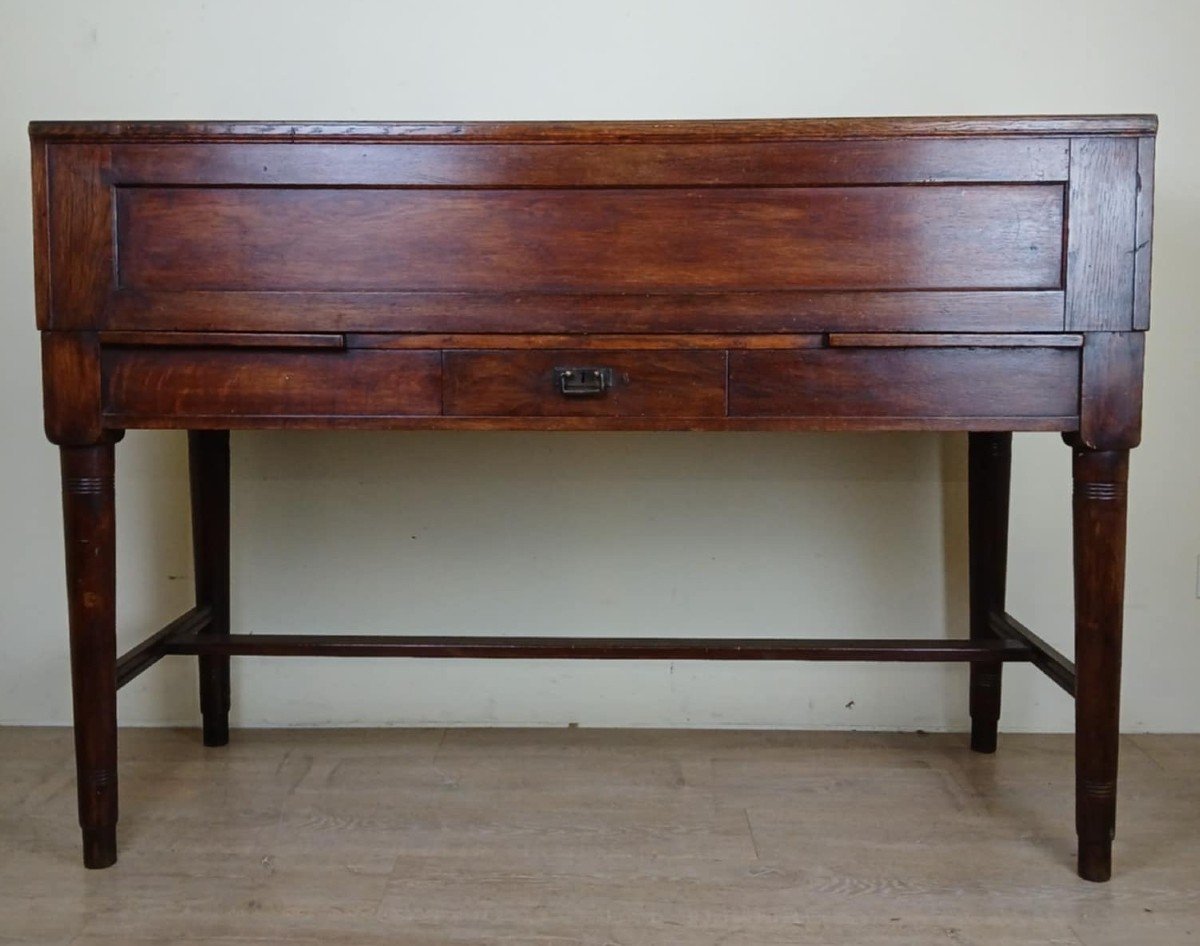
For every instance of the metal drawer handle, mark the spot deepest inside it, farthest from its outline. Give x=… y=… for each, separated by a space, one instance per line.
x=583 y=382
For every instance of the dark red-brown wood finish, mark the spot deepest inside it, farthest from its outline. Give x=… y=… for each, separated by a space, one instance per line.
x=986 y=275
x=989 y=463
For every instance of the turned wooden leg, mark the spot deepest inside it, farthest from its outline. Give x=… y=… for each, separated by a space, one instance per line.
x=88 y=527
x=208 y=460
x=1099 y=538
x=988 y=469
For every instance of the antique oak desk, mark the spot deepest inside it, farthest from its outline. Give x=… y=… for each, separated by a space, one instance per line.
x=963 y=274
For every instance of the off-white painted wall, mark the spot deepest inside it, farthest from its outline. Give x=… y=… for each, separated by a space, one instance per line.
x=603 y=533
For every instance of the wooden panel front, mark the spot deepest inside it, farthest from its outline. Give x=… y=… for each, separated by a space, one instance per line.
x=905 y=382
x=182 y=383
x=646 y=383
x=591 y=240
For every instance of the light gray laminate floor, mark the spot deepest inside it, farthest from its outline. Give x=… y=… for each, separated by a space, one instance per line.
x=555 y=837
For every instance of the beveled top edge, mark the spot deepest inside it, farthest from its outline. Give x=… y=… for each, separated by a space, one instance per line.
x=769 y=129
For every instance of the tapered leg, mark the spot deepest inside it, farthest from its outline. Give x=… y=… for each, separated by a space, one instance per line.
x=208 y=456
x=1099 y=537
x=88 y=528
x=989 y=464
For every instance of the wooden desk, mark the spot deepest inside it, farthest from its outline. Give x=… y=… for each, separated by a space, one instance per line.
x=976 y=274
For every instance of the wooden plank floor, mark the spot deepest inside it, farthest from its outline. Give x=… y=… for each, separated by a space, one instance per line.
x=604 y=837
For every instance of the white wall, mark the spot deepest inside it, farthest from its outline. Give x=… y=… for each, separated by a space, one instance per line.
x=603 y=533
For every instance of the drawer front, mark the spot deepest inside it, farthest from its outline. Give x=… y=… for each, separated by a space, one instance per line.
x=908 y=382
x=180 y=383
x=643 y=383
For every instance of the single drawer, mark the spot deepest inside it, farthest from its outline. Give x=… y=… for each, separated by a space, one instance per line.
x=600 y=383
x=148 y=382
x=905 y=382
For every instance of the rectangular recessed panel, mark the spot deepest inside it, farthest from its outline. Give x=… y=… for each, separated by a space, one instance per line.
x=905 y=382
x=592 y=240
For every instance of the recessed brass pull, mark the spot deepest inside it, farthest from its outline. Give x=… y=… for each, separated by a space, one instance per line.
x=583 y=382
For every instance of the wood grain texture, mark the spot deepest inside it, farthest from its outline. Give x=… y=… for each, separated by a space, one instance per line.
x=646 y=384
x=907 y=381
x=756 y=130
x=1110 y=404
x=950 y=340
x=1101 y=234
x=693 y=341
x=224 y=339
x=598 y=240
x=707 y=312
x=40 y=192
x=1144 y=234
x=179 y=384
x=644 y=164
x=81 y=259
x=71 y=388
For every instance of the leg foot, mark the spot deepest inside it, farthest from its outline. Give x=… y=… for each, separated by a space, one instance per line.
x=100 y=846
x=984 y=731
x=1095 y=860
x=216 y=730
